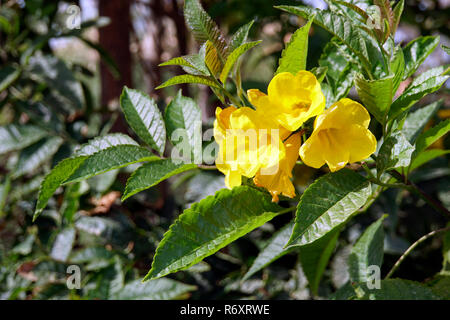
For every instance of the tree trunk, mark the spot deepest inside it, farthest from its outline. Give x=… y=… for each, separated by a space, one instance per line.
x=115 y=39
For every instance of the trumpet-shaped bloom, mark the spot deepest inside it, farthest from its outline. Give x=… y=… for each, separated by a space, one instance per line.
x=291 y=99
x=280 y=182
x=247 y=142
x=340 y=136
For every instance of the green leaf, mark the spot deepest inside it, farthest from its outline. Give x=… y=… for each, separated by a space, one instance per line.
x=367 y=251
x=35 y=155
x=426 y=156
x=376 y=95
x=16 y=137
x=425 y=84
x=143 y=116
x=109 y=159
x=8 y=75
x=58 y=77
x=397 y=12
x=314 y=258
x=239 y=38
x=159 y=289
x=395 y=152
x=340 y=73
x=416 y=121
x=178 y=61
x=328 y=203
x=63 y=245
x=398 y=289
x=152 y=173
x=320 y=73
x=417 y=51
x=210 y=225
x=293 y=57
x=430 y=136
x=183 y=113
x=61 y=172
x=202 y=26
x=272 y=251
x=188 y=78
x=234 y=57
x=97 y=156
x=339 y=25
x=397 y=68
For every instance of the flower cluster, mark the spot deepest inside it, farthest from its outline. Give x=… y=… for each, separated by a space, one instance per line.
x=264 y=143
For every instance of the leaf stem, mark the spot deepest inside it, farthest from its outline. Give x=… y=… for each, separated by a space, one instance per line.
x=411 y=248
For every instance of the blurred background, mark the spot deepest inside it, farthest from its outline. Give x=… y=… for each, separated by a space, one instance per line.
x=63 y=65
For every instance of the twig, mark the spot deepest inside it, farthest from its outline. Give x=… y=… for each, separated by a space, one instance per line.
x=411 y=248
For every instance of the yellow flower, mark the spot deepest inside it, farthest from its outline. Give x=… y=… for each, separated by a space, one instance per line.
x=247 y=142
x=291 y=100
x=340 y=136
x=280 y=182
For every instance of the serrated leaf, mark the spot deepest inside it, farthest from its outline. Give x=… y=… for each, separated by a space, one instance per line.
x=152 y=173
x=104 y=153
x=212 y=59
x=63 y=245
x=418 y=89
x=430 y=136
x=339 y=25
x=397 y=13
x=8 y=75
x=293 y=57
x=110 y=159
x=395 y=152
x=234 y=57
x=183 y=113
x=143 y=116
x=397 y=68
x=239 y=38
x=177 y=61
x=210 y=225
x=15 y=137
x=398 y=289
x=328 y=203
x=188 y=78
x=417 y=51
x=367 y=251
x=416 y=121
x=203 y=27
x=272 y=251
x=159 y=289
x=376 y=95
x=314 y=258
x=35 y=155
x=340 y=73
x=54 y=179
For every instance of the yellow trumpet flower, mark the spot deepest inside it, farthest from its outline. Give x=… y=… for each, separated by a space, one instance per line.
x=247 y=143
x=340 y=136
x=280 y=182
x=291 y=99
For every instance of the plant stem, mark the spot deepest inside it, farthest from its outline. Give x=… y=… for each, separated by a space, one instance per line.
x=411 y=248
x=410 y=186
